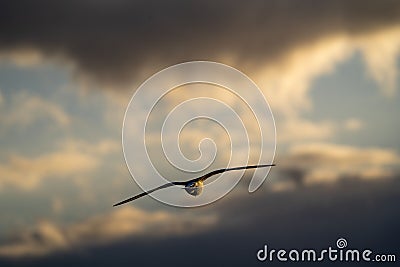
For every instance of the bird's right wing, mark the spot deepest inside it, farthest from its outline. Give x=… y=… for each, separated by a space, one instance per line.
x=148 y=192
x=208 y=175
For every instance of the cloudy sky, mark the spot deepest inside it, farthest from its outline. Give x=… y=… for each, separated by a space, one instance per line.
x=329 y=70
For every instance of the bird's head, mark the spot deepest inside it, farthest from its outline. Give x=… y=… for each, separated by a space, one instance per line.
x=194 y=188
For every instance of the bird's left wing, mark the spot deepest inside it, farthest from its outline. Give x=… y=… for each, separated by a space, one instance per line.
x=148 y=192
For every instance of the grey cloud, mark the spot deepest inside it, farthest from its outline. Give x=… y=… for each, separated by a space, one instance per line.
x=119 y=41
x=327 y=162
x=363 y=212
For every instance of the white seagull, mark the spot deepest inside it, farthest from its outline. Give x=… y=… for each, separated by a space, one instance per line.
x=194 y=186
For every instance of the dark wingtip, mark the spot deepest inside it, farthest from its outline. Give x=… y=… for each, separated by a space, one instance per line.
x=124 y=201
x=132 y=198
x=117 y=204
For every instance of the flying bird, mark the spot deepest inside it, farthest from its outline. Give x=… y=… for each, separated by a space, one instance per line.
x=194 y=186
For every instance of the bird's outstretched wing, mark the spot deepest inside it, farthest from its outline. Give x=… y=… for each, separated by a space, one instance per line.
x=148 y=192
x=208 y=175
x=201 y=178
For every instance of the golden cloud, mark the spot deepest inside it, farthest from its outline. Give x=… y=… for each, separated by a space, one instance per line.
x=47 y=237
x=353 y=124
x=24 y=109
x=27 y=173
x=74 y=158
x=287 y=80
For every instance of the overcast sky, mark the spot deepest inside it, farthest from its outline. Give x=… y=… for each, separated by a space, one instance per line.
x=329 y=70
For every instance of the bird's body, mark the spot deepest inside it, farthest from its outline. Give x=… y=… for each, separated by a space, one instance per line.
x=194 y=186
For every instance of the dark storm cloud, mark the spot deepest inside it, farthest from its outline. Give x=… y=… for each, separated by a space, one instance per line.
x=120 y=40
x=363 y=212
